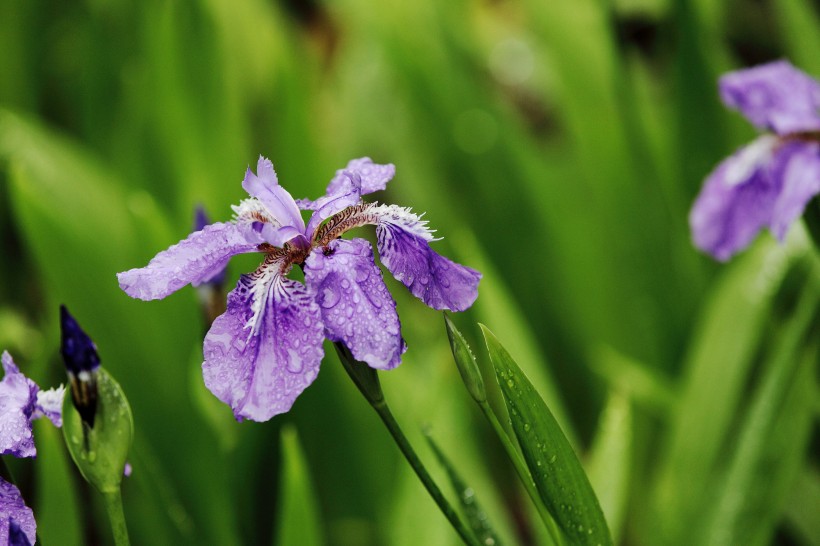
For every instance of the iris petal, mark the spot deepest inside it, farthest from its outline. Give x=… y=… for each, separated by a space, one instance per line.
x=736 y=201
x=194 y=260
x=774 y=96
x=15 y=516
x=265 y=187
x=266 y=348
x=403 y=241
x=797 y=165
x=18 y=398
x=356 y=307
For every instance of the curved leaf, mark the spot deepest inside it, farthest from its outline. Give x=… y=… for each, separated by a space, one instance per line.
x=559 y=477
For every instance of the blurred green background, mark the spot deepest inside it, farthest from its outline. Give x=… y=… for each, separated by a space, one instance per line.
x=556 y=147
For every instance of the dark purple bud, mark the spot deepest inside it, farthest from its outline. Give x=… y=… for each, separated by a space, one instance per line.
x=81 y=362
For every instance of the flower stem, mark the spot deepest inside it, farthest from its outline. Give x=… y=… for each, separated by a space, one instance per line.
x=367 y=382
x=522 y=471
x=409 y=453
x=113 y=505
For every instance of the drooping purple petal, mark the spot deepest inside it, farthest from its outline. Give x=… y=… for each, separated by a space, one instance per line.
x=18 y=396
x=403 y=241
x=16 y=518
x=357 y=308
x=736 y=201
x=50 y=404
x=265 y=187
x=195 y=260
x=266 y=348
x=774 y=96
x=797 y=166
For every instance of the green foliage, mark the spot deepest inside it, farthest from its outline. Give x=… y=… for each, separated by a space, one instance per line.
x=559 y=477
x=297 y=521
x=555 y=146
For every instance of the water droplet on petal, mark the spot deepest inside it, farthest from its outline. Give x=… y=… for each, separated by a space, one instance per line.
x=294 y=364
x=329 y=296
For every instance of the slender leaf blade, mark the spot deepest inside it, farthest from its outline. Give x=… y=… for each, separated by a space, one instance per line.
x=556 y=470
x=298 y=522
x=476 y=516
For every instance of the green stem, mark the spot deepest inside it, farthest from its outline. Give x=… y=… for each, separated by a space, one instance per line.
x=522 y=471
x=113 y=505
x=367 y=381
x=410 y=454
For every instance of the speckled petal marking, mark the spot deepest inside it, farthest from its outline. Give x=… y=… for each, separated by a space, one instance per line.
x=356 y=307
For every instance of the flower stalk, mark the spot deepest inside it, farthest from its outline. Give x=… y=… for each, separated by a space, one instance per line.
x=367 y=382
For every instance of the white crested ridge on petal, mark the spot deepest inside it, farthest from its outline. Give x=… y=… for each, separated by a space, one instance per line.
x=253 y=210
x=404 y=217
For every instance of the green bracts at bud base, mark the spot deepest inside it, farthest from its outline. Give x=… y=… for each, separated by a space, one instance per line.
x=101 y=452
x=467 y=366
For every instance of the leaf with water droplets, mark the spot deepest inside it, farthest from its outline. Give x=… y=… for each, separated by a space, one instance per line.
x=559 y=477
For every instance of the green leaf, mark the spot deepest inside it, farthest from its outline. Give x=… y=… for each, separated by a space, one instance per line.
x=467 y=366
x=773 y=436
x=716 y=372
x=100 y=452
x=610 y=460
x=801 y=506
x=298 y=522
x=476 y=517
x=556 y=470
x=57 y=507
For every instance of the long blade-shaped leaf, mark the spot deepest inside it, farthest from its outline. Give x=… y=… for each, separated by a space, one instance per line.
x=559 y=477
x=298 y=522
x=476 y=517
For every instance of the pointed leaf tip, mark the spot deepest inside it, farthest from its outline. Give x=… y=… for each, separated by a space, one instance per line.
x=465 y=360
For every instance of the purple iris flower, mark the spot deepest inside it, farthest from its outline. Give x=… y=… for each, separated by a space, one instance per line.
x=266 y=348
x=21 y=401
x=770 y=181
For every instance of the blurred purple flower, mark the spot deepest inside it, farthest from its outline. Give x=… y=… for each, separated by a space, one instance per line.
x=266 y=348
x=21 y=401
x=770 y=181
